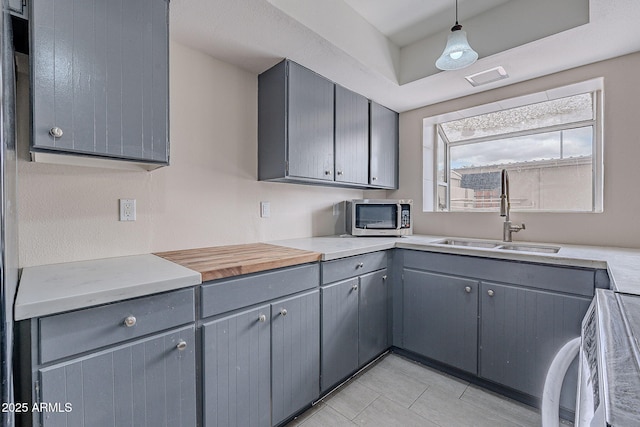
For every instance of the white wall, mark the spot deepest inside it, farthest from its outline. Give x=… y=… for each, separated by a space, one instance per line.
x=209 y=195
x=616 y=226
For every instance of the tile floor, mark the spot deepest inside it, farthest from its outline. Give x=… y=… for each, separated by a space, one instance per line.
x=399 y=392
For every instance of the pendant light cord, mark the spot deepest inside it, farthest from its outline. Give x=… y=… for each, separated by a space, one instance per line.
x=456 y=12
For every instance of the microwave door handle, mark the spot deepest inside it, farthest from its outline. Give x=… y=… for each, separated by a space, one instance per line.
x=399 y=217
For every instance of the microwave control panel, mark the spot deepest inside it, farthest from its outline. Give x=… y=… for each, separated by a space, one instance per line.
x=405 y=218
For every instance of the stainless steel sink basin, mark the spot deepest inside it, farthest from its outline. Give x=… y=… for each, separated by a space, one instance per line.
x=530 y=248
x=487 y=244
x=468 y=243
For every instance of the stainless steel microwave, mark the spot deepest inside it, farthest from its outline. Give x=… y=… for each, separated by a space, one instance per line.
x=379 y=217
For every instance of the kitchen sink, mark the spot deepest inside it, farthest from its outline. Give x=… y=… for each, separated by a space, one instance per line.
x=468 y=243
x=488 y=244
x=530 y=248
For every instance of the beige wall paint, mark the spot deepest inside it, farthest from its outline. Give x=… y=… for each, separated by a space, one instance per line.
x=616 y=226
x=208 y=196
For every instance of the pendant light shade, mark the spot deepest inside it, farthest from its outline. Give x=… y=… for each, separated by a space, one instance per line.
x=457 y=53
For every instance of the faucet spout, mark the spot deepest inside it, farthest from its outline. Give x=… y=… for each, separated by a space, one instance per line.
x=505 y=207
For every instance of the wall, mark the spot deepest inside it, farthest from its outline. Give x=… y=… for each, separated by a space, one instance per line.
x=616 y=226
x=208 y=196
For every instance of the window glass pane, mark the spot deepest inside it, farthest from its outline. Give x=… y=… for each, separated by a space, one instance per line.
x=548 y=171
x=441 y=160
x=556 y=112
x=442 y=198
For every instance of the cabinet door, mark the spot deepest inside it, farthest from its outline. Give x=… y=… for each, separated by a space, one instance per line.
x=100 y=75
x=521 y=331
x=295 y=354
x=384 y=147
x=147 y=383
x=440 y=318
x=18 y=8
x=235 y=360
x=352 y=137
x=310 y=124
x=339 y=332
x=373 y=316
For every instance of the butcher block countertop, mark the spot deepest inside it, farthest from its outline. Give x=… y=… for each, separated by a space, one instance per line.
x=226 y=261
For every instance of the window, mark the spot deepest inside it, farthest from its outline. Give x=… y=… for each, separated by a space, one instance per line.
x=550 y=148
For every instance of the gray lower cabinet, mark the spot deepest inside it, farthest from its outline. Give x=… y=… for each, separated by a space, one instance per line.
x=295 y=354
x=521 y=332
x=440 y=318
x=100 y=79
x=339 y=332
x=373 y=316
x=503 y=321
x=145 y=383
x=355 y=315
x=383 y=161
x=260 y=346
x=235 y=369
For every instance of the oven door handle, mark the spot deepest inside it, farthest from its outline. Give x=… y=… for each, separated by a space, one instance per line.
x=553 y=382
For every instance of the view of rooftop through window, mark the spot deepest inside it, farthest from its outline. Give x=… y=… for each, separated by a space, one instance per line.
x=547 y=148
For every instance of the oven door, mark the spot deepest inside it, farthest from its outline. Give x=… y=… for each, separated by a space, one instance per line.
x=589 y=405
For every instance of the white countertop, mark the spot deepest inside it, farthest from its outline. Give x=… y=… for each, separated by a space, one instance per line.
x=623 y=264
x=55 y=288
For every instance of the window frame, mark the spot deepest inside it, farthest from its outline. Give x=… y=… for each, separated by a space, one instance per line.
x=594 y=86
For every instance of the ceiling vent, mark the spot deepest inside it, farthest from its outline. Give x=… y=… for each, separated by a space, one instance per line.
x=487 y=76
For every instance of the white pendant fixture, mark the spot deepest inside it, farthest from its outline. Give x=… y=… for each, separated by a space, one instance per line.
x=457 y=53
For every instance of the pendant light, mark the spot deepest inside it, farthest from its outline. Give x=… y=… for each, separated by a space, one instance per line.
x=457 y=53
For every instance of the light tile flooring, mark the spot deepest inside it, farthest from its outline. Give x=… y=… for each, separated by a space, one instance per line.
x=399 y=392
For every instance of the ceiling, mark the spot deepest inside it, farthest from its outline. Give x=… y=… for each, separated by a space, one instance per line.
x=386 y=50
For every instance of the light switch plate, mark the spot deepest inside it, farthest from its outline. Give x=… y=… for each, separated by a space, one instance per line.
x=265 y=209
x=127 y=209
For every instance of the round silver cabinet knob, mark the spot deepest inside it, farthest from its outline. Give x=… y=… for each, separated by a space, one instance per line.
x=130 y=321
x=490 y=292
x=360 y=265
x=384 y=278
x=467 y=289
x=283 y=311
x=56 y=132
x=181 y=345
x=373 y=178
x=354 y=287
x=262 y=318
x=339 y=172
x=327 y=172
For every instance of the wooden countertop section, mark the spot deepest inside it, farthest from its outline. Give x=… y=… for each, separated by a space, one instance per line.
x=227 y=261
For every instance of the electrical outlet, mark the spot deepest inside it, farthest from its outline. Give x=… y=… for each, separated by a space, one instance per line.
x=127 y=209
x=265 y=209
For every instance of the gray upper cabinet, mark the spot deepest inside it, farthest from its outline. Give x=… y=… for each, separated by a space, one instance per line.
x=99 y=79
x=295 y=124
x=440 y=318
x=352 y=137
x=384 y=147
x=313 y=131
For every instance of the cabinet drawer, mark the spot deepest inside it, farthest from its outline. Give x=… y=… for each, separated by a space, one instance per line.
x=343 y=268
x=226 y=295
x=83 y=330
x=571 y=280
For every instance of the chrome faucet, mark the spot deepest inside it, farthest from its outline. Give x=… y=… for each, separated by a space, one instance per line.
x=505 y=207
